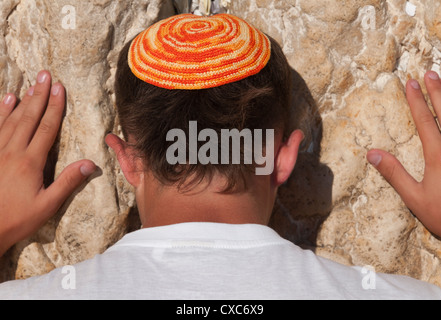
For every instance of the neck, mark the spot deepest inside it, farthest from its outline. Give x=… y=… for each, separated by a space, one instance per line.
x=161 y=206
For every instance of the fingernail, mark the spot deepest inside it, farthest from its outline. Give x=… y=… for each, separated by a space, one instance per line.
x=55 y=89
x=433 y=75
x=374 y=159
x=87 y=169
x=8 y=99
x=415 y=84
x=31 y=91
x=42 y=77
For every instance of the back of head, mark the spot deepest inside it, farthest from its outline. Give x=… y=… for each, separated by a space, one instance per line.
x=148 y=110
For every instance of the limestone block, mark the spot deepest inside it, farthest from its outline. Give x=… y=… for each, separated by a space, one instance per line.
x=78 y=41
x=355 y=57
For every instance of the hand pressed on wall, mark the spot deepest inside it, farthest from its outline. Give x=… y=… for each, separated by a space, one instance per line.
x=27 y=134
x=422 y=198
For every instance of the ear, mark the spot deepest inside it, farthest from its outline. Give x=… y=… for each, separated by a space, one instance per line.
x=287 y=157
x=129 y=164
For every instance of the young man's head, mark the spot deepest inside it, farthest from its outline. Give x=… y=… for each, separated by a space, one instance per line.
x=238 y=78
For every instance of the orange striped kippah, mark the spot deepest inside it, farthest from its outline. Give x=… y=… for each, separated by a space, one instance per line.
x=190 y=52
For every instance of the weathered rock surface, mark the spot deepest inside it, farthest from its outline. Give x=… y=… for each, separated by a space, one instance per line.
x=352 y=59
x=355 y=57
x=79 y=43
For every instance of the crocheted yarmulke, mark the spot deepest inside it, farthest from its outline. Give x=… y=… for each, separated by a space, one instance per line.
x=190 y=52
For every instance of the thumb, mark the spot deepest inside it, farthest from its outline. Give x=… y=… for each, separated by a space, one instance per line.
x=394 y=173
x=67 y=182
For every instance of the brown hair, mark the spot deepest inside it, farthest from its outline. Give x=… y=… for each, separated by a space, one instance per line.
x=147 y=113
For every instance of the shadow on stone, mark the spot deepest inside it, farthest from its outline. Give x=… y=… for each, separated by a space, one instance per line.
x=305 y=201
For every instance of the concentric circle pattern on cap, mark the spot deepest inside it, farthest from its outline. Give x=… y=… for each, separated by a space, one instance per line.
x=189 y=52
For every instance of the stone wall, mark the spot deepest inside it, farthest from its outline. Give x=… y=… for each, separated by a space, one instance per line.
x=78 y=41
x=355 y=57
x=351 y=59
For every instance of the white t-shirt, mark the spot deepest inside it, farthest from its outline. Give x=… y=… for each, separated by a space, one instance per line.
x=210 y=261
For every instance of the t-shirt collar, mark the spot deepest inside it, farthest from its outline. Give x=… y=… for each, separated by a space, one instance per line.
x=202 y=234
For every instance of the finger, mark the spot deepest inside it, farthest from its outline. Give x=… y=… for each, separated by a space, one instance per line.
x=425 y=123
x=6 y=107
x=433 y=85
x=65 y=185
x=395 y=174
x=32 y=114
x=9 y=125
x=49 y=126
